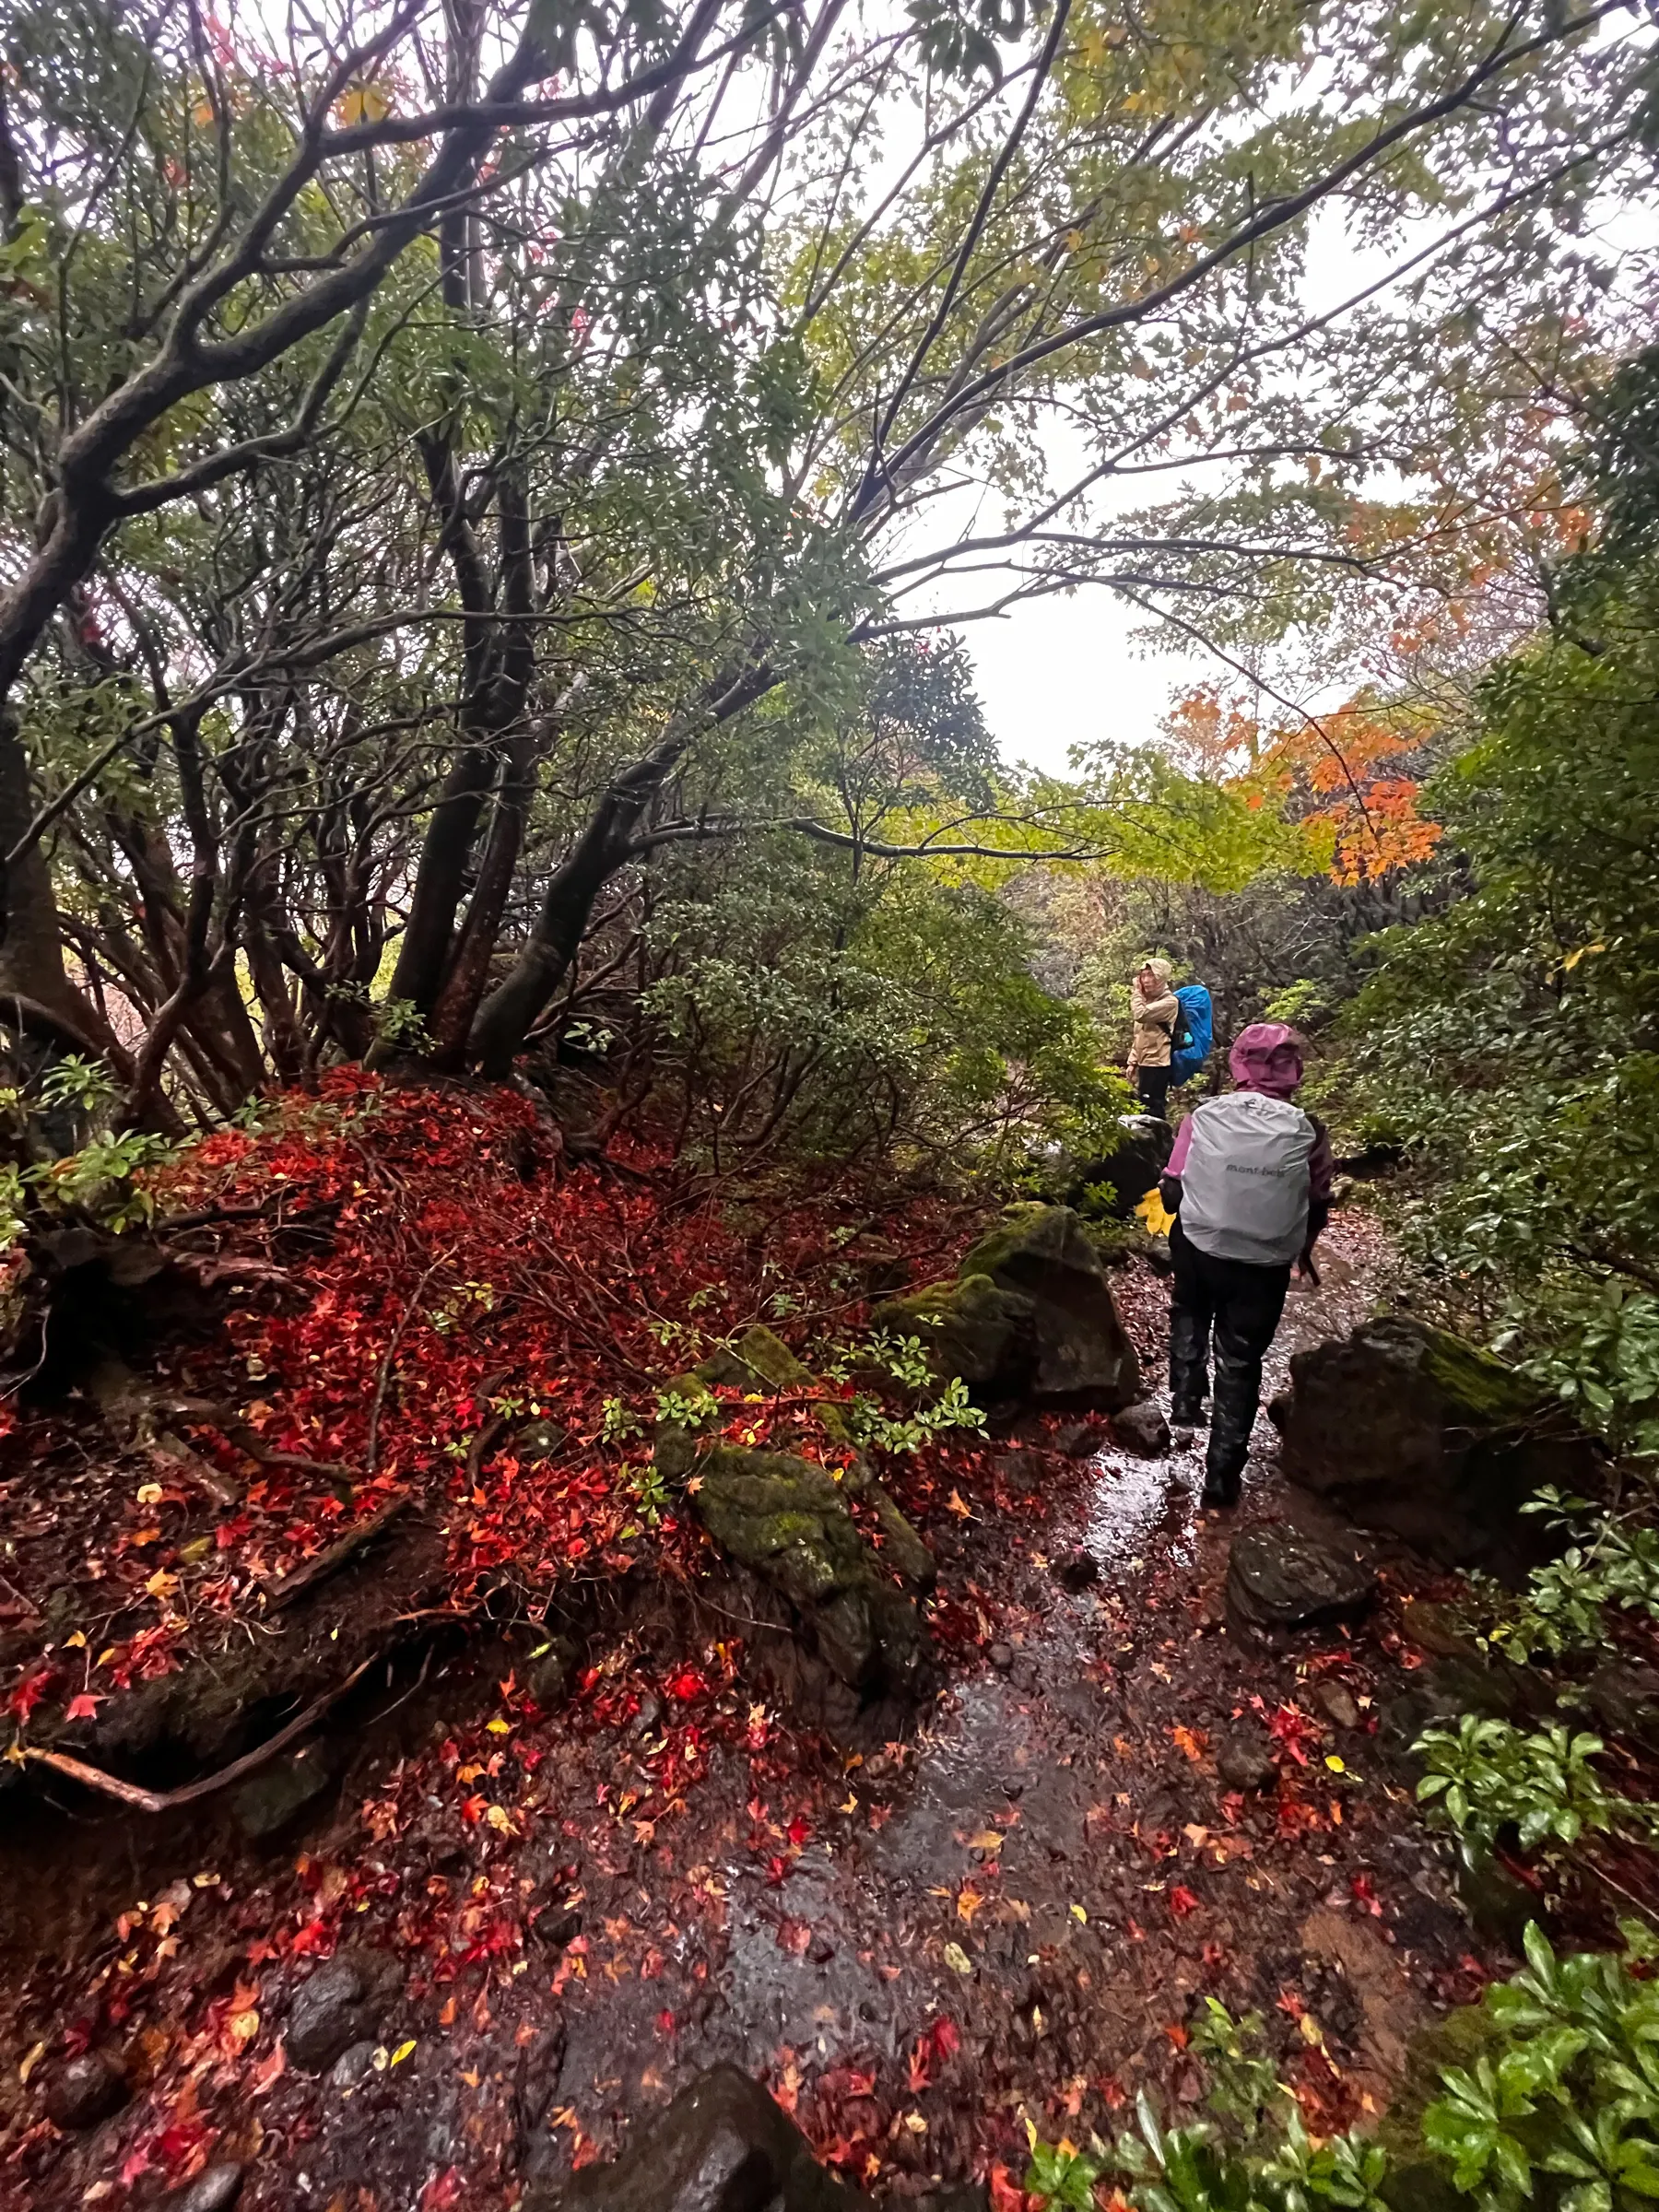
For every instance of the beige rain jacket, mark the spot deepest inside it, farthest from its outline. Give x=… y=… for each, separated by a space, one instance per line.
x=1154 y=1019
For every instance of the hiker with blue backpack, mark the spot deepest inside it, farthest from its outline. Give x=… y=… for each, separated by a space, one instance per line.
x=1171 y=1040
x=1249 y=1183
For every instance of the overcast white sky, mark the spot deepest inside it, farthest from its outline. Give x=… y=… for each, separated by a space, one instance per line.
x=1059 y=672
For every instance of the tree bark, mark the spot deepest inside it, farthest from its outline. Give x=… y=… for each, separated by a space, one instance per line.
x=604 y=845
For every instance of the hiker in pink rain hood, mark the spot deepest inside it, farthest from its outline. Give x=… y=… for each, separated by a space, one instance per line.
x=1249 y=1182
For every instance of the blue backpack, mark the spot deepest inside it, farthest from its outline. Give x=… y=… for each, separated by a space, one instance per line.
x=1194 y=1031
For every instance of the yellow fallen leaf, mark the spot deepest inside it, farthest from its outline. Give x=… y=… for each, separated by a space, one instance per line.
x=149 y=1493
x=471 y=2076
x=1078 y=1914
x=957 y=1959
x=244 y=2027
x=498 y=1726
x=988 y=1839
x=78 y=1643
x=501 y=1819
x=36 y=2054
x=403 y=2052
x=967 y=1904
x=1334 y=1764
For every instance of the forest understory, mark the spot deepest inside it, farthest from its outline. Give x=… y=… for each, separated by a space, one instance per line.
x=556 y=1796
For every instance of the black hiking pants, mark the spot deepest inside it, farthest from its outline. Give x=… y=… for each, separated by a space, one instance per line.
x=1240 y=1304
x=1153 y=1084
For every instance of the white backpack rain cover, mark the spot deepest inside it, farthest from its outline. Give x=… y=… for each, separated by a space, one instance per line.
x=1244 y=1186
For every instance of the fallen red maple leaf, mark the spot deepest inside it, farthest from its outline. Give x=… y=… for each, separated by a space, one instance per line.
x=1181 y=1901
x=1006 y=2195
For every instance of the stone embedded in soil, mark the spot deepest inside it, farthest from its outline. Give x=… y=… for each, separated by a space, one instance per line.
x=537 y=1440
x=355 y=2064
x=1244 y=1762
x=556 y=1928
x=338 y=2006
x=1076 y=1570
x=1336 y=1701
x=1078 y=1440
x=1142 y=1428
x=85 y=2091
x=1410 y=1429
x=723 y=2145
x=1279 y=1580
x=271 y=1799
x=1001 y=1656
x=212 y=2190
x=1021 y=1471
x=549 y=1678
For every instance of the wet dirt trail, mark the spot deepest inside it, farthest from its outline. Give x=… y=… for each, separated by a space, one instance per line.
x=1112 y=1811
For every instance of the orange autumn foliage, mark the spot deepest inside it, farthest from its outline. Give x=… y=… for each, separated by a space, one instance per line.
x=1342 y=773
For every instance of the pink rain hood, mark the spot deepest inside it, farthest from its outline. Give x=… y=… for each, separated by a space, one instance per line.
x=1268 y=1057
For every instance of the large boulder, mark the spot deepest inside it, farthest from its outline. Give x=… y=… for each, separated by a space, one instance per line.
x=1412 y=1431
x=969 y=1328
x=1044 y=1253
x=1130 y=1170
x=787 y=1521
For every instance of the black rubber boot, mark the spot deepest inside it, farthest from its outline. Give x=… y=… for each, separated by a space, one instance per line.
x=1237 y=1394
x=1188 y=1381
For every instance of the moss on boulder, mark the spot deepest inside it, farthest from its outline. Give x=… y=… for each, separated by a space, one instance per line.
x=1030 y=1316
x=1083 y=1361
x=787 y=1521
x=970 y=1328
x=1410 y=1429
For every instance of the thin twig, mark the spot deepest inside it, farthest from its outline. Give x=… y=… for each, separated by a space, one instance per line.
x=318 y=1569
x=177 y=1454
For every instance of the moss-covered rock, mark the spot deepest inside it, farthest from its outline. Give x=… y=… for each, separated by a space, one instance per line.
x=901 y=1547
x=1410 y=1429
x=1030 y=1316
x=759 y=1364
x=1083 y=1361
x=969 y=1328
x=787 y=1521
